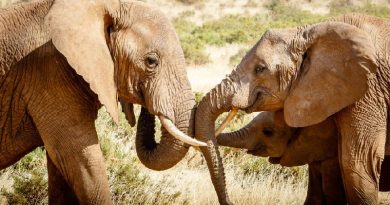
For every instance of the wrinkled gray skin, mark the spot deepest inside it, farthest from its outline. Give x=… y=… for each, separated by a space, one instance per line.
x=61 y=60
x=267 y=135
x=338 y=68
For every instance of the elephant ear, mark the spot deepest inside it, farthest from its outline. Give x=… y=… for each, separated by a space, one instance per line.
x=78 y=29
x=338 y=61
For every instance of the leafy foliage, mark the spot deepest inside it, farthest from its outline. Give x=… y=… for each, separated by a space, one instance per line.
x=236 y=29
x=346 y=6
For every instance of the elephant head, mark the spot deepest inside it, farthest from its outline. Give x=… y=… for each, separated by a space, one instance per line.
x=129 y=50
x=312 y=72
x=267 y=135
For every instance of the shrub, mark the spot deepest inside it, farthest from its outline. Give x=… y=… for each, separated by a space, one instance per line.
x=286 y=16
x=28 y=189
x=29 y=180
x=239 y=29
x=193 y=48
x=338 y=7
x=198 y=97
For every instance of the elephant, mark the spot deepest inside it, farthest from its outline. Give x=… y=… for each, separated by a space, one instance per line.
x=62 y=60
x=268 y=135
x=338 y=68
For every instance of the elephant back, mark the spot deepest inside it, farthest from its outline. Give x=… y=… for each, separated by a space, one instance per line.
x=22 y=31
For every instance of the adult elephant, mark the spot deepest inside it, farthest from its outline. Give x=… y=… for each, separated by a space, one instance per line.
x=62 y=60
x=339 y=68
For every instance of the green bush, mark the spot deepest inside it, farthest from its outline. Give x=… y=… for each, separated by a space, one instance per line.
x=286 y=16
x=230 y=29
x=29 y=180
x=239 y=29
x=28 y=189
x=193 y=48
x=198 y=97
x=345 y=6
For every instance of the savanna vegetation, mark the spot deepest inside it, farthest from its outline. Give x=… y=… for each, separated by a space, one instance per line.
x=246 y=29
x=250 y=180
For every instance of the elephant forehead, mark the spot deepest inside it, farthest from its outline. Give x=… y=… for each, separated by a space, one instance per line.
x=265 y=117
x=151 y=37
x=273 y=53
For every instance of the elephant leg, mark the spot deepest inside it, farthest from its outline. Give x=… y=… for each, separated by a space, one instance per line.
x=362 y=148
x=59 y=190
x=315 y=194
x=332 y=183
x=24 y=141
x=14 y=147
x=79 y=159
x=69 y=135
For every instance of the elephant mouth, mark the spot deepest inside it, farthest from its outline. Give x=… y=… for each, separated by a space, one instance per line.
x=260 y=151
x=277 y=160
x=263 y=103
x=252 y=108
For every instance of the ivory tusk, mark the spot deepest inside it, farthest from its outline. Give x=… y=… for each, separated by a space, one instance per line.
x=226 y=122
x=172 y=129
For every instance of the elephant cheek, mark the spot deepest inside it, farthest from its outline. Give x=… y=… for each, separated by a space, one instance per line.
x=266 y=102
x=158 y=102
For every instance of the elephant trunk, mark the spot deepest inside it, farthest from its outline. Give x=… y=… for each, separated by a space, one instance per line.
x=169 y=151
x=217 y=101
x=236 y=139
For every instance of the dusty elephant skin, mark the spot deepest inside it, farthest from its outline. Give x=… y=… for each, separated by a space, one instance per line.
x=340 y=68
x=62 y=60
x=267 y=135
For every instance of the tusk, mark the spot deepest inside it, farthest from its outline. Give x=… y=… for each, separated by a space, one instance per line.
x=172 y=129
x=226 y=122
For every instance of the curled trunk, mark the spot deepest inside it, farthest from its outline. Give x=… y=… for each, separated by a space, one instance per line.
x=217 y=101
x=169 y=151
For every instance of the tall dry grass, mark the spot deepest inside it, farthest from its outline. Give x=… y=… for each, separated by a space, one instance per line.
x=250 y=180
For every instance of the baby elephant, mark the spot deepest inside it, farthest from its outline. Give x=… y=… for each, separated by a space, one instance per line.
x=267 y=135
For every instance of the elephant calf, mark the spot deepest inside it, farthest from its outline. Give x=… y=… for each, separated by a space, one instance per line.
x=268 y=135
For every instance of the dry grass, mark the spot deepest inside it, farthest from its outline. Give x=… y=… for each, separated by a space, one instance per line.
x=250 y=180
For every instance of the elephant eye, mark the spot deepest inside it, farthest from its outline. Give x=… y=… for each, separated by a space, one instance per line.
x=152 y=60
x=268 y=132
x=260 y=69
x=110 y=29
